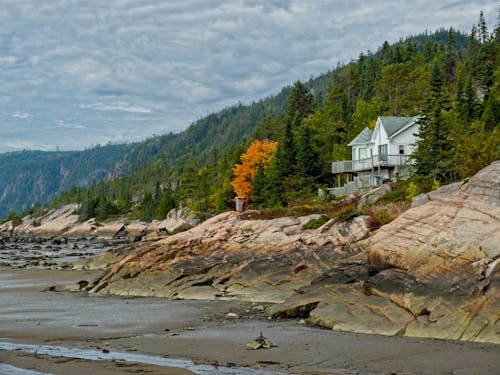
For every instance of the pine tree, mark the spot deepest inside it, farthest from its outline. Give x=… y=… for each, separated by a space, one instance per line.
x=469 y=101
x=450 y=59
x=483 y=35
x=275 y=182
x=287 y=150
x=258 y=198
x=300 y=101
x=167 y=203
x=434 y=153
x=386 y=53
x=307 y=157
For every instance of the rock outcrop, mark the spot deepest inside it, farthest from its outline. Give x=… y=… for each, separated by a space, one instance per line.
x=230 y=257
x=433 y=272
x=63 y=222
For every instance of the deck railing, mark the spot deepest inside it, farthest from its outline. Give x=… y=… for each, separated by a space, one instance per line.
x=373 y=162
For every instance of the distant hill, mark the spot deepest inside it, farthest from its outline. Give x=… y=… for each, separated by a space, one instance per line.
x=38 y=176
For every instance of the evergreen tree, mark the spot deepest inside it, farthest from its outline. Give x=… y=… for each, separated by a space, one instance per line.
x=436 y=82
x=104 y=209
x=386 y=53
x=483 y=35
x=434 y=153
x=491 y=113
x=450 y=59
x=287 y=151
x=469 y=101
x=259 y=188
x=300 y=101
x=307 y=157
x=429 y=50
x=275 y=183
x=146 y=207
x=167 y=203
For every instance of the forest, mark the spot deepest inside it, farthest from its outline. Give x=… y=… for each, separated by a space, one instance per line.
x=278 y=151
x=40 y=176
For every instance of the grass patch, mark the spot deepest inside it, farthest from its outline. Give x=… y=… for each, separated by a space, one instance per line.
x=316 y=223
x=349 y=212
x=385 y=212
x=393 y=196
x=329 y=209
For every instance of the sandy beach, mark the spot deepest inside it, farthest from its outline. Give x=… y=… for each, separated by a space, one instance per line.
x=201 y=332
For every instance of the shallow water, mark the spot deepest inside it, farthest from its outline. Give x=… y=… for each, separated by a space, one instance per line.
x=95 y=355
x=47 y=255
x=11 y=370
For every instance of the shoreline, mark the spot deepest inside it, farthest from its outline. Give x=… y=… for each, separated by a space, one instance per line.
x=201 y=332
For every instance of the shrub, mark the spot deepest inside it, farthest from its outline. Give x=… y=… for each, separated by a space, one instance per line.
x=383 y=217
x=349 y=212
x=435 y=184
x=14 y=217
x=393 y=196
x=386 y=212
x=412 y=191
x=316 y=223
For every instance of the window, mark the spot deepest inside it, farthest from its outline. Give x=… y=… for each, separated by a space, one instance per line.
x=401 y=149
x=362 y=153
x=382 y=152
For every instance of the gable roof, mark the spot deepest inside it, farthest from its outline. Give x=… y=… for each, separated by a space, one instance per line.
x=393 y=124
x=362 y=138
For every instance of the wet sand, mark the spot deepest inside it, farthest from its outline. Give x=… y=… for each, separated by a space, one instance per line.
x=56 y=365
x=198 y=330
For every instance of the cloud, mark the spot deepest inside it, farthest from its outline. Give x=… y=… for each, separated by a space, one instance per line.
x=21 y=115
x=120 y=106
x=24 y=145
x=8 y=60
x=63 y=124
x=114 y=64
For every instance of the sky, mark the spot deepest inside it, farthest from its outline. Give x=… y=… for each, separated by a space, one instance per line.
x=80 y=73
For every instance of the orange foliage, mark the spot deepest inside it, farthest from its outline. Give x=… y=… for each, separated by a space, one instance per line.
x=259 y=152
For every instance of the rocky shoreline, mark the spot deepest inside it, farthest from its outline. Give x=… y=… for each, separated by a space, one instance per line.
x=432 y=272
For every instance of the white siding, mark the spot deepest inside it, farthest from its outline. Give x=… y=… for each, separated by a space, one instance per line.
x=406 y=138
x=379 y=137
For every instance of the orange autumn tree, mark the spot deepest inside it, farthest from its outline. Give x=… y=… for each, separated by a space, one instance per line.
x=258 y=153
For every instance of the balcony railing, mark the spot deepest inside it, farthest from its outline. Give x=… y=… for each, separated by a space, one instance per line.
x=373 y=162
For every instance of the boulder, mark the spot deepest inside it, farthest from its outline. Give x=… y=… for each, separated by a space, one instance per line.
x=173 y=226
x=55 y=221
x=7 y=227
x=109 y=229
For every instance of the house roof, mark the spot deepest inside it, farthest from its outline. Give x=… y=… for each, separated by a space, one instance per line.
x=393 y=124
x=362 y=138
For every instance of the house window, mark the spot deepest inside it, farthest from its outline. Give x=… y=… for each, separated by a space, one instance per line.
x=382 y=152
x=401 y=149
x=362 y=153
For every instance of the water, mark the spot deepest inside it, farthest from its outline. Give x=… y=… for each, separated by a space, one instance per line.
x=96 y=355
x=11 y=370
x=47 y=255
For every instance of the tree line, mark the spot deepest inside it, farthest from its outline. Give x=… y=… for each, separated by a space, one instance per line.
x=451 y=78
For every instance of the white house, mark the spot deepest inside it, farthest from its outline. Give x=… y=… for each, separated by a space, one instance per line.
x=378 y=155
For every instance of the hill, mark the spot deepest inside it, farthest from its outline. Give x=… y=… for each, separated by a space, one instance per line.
x=195 y=167
x=37 y=177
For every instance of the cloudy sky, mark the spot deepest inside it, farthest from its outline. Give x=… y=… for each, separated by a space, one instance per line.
x=76 y=73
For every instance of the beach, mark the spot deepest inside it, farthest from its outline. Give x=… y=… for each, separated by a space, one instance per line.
x=201 y=332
